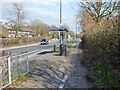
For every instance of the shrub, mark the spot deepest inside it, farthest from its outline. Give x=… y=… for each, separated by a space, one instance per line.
x=102 y=44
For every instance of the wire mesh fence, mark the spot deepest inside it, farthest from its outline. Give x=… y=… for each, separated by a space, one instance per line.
x=11 y=67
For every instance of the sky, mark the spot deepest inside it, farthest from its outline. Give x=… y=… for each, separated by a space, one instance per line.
x=45 y=10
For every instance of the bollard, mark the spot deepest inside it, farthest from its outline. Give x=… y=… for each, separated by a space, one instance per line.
x=65 y=50
x=54 y=48
x=60 y=50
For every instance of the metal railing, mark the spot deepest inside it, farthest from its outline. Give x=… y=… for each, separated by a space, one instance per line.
x=11 y=67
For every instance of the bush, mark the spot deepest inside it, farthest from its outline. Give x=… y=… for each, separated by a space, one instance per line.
x=102 y=45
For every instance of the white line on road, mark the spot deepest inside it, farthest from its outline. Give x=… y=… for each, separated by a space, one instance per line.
x=15 y=47
x=63 y=82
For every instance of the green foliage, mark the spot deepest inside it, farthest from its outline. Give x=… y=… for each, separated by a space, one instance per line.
x=57 y=49
x=70 y=44
x=53 y=36
x=104 y=77
x=1 y=35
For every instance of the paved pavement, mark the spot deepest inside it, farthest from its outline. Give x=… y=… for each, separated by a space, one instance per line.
x=49 y=69
x=75 y=71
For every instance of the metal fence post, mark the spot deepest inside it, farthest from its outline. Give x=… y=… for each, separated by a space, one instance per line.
x=9 y=69
x=27 y=63
x=0 y=77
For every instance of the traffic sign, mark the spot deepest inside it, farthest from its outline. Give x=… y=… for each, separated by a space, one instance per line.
x=59 y=29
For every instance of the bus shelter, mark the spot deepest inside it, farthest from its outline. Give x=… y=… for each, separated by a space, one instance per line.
x=62 y=47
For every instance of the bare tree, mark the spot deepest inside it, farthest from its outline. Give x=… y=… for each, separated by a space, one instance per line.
x=17 y=15
x=39 y=27
x=66 y=26
x=53 y=26
x=99 y=9
x=85 y=18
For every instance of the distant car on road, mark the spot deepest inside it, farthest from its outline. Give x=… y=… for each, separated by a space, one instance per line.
x=44 y=41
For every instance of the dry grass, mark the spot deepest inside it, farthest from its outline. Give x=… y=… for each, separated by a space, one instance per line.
x=21 y=41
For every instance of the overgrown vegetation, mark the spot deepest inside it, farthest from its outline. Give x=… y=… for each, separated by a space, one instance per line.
x=101 y=45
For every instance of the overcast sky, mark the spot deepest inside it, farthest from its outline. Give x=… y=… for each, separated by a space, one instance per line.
x=45 y=10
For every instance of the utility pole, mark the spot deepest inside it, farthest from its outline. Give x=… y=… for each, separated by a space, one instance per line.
x=61 y=33
x=60 y=12
x=76 y=27
x=62 y=47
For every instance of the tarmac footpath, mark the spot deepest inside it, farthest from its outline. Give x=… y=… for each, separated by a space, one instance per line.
x=53 y=71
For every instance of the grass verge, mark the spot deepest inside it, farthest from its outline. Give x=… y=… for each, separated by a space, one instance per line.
x=104 y=77
x=20 y=79
x=57 y=49
x=70 y=44
x=21 y=44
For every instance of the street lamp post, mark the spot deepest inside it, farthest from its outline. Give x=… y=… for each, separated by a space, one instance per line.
x=61 y=33
x=62 y=47
x=60 y=12
x=76 y=27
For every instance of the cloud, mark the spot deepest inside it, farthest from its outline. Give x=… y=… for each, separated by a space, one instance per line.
x=41 y=10
x=3 y=21
x=38 y=12
x=51 y=17
x=41 y=4
x=48 y=17
x=64 y=1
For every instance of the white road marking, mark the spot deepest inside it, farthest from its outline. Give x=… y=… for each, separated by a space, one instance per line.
x=63 y=82
x=15 y=47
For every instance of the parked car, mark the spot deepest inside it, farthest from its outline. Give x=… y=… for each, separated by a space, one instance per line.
x=2 y=37
x=44 y=41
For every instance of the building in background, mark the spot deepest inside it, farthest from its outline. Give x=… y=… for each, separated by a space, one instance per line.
x=9 y=31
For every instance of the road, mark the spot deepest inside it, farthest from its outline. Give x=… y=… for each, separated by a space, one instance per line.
x=34 y=52
x=33 y=48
